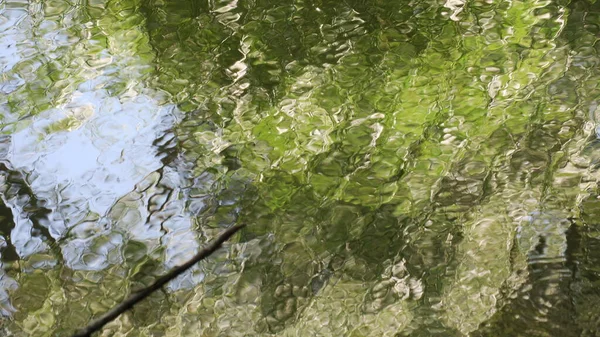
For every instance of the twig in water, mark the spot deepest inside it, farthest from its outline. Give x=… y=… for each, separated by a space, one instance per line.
x=128 y=303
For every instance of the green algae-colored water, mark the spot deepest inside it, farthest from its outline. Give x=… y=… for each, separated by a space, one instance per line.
x=405 y=168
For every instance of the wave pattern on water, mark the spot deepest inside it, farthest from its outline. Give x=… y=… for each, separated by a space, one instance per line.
x=422 y=168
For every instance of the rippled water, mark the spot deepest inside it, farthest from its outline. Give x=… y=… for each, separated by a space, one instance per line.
x=405 y=168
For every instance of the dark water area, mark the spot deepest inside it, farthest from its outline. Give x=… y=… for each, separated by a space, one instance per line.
x=405 y=168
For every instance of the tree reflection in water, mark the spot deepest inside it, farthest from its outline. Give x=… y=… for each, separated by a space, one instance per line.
x=417 y=168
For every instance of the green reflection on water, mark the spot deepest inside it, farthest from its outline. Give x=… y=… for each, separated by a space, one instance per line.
x=419 y=168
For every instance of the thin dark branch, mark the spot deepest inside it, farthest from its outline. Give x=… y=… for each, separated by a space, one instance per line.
x=128 y=303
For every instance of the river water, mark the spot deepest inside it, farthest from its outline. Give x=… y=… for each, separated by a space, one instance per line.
x=410 y=168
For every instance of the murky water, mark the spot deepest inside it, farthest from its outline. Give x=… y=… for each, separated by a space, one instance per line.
x=405 y=168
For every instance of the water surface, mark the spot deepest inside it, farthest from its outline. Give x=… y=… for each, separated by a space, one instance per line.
x=421 y=168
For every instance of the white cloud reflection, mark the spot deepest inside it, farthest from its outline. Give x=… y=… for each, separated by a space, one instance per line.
x=84 y=156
